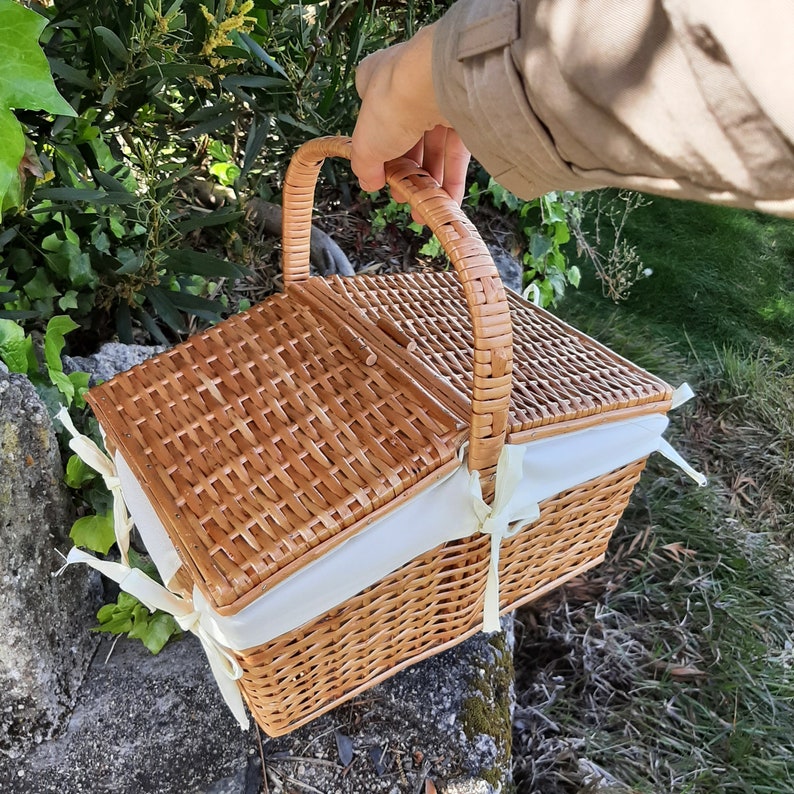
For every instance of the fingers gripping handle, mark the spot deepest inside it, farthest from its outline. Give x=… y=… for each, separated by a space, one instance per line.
x=485 y=295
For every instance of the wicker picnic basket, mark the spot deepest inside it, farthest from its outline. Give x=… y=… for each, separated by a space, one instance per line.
x=282 y=436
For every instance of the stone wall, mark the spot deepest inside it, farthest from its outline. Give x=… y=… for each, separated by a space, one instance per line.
x=45 y=648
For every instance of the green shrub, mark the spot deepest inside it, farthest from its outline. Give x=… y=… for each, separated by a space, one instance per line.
x=184 y=109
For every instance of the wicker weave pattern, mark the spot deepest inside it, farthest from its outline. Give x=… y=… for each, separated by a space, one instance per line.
x=572 y=534
x=564 y=375
x=482 y=288
x=268 y=440
x=252 y=434
x=427 y=606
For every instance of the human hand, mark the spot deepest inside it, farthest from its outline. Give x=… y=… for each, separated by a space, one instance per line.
x=399 y=116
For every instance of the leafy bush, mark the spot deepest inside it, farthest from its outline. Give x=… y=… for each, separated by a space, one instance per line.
x=184 y=109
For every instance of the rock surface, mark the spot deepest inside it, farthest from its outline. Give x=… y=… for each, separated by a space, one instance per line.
x=157 y=725
x=112 y=358
x=44 y=647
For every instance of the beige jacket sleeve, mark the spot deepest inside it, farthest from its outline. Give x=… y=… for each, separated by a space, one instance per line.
x=686 y=98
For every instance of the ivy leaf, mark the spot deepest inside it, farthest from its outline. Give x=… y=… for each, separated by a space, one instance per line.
x=77 y=472
x=25 y=79
x=57 y=328
x=11 y=153
x=539 y=246
x=79 y=381
x=94 y=533
x=160 y=628
x=13 y=349
x=120 y=624
x=25 y=84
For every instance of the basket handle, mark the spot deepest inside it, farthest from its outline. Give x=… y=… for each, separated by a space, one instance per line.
x=485 y=295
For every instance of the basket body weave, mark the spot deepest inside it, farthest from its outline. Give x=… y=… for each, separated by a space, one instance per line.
x=271 y=440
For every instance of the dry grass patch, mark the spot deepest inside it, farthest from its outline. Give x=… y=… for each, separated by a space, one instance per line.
x=670 y=668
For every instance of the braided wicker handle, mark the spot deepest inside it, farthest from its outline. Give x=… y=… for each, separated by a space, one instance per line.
x=485 y=295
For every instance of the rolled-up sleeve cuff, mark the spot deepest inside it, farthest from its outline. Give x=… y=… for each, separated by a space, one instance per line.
x=481 y=94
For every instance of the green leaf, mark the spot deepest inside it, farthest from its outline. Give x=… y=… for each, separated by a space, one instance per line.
x=112 y=42
x=216 y=218
x=160 y=629
x=553 y=209
x=199 y=264
x=74 y=76
x=197 y=305
x=145 y=564
x=81 y=274
x=77 y=472
x=539 y=246
x=252 y=81
x=57 y=328
x=574 y=275
x=127 y=602
x=255 y=49
x=79 y=381
x=25 y=79
x=11 y=152
x=13 y=348
x=94 y=533
x=163 y=304
x=68 y=301
x=562 y=234
x=62 y=383
x=86 y=194
x=174 y=70
x=211 y=125
x=40 y=287
x=226 y=173
x=149 y=323
x=106 y=613
x=117 y=625
x=131 y=261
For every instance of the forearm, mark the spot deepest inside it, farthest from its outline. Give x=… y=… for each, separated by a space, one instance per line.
x=661 y=97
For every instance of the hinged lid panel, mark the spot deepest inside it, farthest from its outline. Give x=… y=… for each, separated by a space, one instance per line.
x=559 y=374
x=260 y=441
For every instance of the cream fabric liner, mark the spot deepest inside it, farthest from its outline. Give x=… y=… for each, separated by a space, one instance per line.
x=448 y=510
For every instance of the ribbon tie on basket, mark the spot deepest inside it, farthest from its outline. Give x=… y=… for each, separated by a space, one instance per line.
x=189 y=614
x=680 y=396
x=192 y=615
x=502 y=519
x=93 y=456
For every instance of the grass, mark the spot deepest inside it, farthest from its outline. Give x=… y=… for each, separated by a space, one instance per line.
x=670 y=668
x=719 y=276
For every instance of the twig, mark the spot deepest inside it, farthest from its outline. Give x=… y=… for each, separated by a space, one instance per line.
x=305 y=759
x=265 y=788
x=302 y=785
x=112 y=648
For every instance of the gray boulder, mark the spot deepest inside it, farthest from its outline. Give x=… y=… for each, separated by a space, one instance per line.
x=157 y=725
x=112 y=358
x=44 y=646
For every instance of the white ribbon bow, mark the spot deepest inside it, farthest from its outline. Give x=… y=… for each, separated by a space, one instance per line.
x=509 y=512
x=192 y=615
x=503 y=518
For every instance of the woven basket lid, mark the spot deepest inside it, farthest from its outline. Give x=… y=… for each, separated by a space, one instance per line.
x=261 y=442
x=562 y=379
